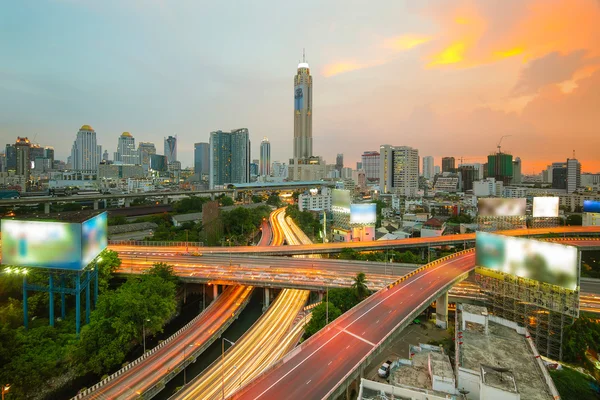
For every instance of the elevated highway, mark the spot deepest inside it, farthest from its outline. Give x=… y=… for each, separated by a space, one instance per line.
x=324 y=365
x=325 y=248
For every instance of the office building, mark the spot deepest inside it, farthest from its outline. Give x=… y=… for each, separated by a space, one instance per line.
x=303 y=111
x=358 y=165
x=468 y=174
x=370 y=164
x=126 y=152
x=229 y=157
x=11 y=157
x=158 y=163
x=105 y=156
x=265 y=158
x=171 y=148
x=86 y=153
x=437 y=170
x=399 y=170
x=23 y=148
x=279 y=170
x=500 y=167
x=36 y=151
x=428 y=167
x=559 y=175
x=339 y=163
x=573 y=175
x=448 y=164
x=201 y=159
x=516 y=174
x=314 y=200
x=145 y=150
x=49 y=154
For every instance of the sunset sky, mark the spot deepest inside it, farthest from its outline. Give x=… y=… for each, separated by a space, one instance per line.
x=447 y=77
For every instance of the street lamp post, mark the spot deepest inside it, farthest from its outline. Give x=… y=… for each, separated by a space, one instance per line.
x=144 y=332
x=229 y=241
x=223 y=340
x=5 y=389
x=326 y=305
x=186 y=240
x=184 y=364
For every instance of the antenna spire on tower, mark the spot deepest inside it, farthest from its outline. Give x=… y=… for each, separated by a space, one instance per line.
x=303 y=55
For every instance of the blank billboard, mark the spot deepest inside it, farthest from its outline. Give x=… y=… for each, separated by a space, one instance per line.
x=340 y=200
x=591 y=206
x=41 y=244
x=93 y=237
x=551 y=263
x=499 y=207
x=545 y=207
x=363 y=214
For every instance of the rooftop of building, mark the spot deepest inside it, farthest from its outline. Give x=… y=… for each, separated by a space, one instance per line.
x=126 y=134
x=86 y=128
x=71 y=216
x=433 y=223
x=503 y=347
x=473 y=309
x=417 y=375
x=501 y=378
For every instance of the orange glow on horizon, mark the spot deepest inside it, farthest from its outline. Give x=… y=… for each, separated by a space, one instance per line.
x=406 y=42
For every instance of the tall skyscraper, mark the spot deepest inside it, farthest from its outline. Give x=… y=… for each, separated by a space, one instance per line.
x=303 y=111
x=11 y=157
x=573 y=175
x=86 y=153
x=265 y=157
x=428 y=170
x=126 y=152
x=399 y=170
x=23 y=149
x=516 y=175
x=448 y=164
x=49 y=154
x=171 y=148
x=201 y=159
x=370 y=164
x=229 y=157
x=145 y=150
x=105 y=156
x=559 y=175
x=339 y=163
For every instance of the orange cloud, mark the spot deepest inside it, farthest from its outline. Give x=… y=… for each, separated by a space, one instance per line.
x=406 y=42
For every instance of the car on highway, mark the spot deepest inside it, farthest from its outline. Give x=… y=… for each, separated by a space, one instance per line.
x=384 y=370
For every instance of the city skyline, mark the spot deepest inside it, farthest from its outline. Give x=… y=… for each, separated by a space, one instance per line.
x=545 y=87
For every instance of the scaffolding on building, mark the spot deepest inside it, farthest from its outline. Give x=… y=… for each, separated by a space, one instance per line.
x=540 y=222
x=544 y=309
x=488 y=223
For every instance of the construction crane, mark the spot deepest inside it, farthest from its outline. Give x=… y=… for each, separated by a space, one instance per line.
x=500 y=142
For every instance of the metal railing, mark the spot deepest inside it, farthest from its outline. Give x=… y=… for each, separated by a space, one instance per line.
x=147 y=243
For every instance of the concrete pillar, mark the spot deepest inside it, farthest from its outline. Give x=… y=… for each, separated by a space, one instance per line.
x=215 y=291
x=212 y=196
x=267 y=298
x=46 y=208
x=320 y=296
x=165 y=199
x=127 y=201
x=441 y=311
x=96 y=204
x=184 y=293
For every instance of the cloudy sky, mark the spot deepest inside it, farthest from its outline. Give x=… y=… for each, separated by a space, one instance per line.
x=447 y=77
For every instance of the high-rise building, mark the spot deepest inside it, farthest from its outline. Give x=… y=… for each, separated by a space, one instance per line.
x=303 y=111
x=370 y=164
x=359 y=165
x=126 y=152
x=428 y=170
x=158 y=163
x=201 y=159
x=171 y=148
x=105 y=156
x=49 y=154
x=265 y=157
x=500 y=167
x=86 y=153
x=448 y=164
x=229 y=157
x=36 y=151
x=145 y=150
x=436 y=169
x=573 y=175
x=468 y=174
x=399 y=170
x=11 y=157
x=23 y=148
x=559 y=175
x=516 y=175
x=339 y=163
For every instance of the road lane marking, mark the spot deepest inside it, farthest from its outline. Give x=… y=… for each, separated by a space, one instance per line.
x=309 y=381
x=358 y=337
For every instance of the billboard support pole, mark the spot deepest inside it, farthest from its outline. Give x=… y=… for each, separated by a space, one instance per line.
x=95 y=284
x=63 y=300
x=78 y=303
x=87 y=298
x=51 y=300
x=25 y=318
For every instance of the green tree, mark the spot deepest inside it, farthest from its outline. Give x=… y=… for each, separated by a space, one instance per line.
x=319 y=317
x=343 y=298
x=574 y=219
x=164 y=271
x=348 y=254
x=257 y=199
x=108 y=264
x=226 y=201
x=573 y=385
x=360 y=286
x=274 y=200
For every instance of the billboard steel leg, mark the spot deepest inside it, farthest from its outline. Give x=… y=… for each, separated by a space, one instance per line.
x=87 y=299
x=25 y=318
x=63 y=299
x=51 y=293
x=78 y=304
x=95 y=285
